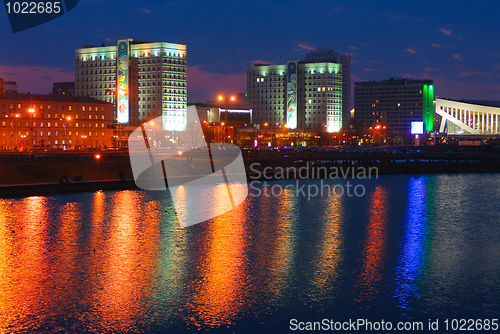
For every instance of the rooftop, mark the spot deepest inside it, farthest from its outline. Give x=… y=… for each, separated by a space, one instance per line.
x=49 y=98
x=394 y=82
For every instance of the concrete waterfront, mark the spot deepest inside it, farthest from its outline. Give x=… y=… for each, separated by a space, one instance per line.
x=40 y=174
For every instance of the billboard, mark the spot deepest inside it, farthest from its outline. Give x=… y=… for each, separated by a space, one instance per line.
x=417 y=128
x=122 y=82
x=291 y=94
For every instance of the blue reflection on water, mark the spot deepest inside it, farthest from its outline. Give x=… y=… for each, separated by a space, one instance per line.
x=411 y=261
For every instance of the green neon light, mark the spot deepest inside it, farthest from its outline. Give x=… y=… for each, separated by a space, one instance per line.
x=428 y=107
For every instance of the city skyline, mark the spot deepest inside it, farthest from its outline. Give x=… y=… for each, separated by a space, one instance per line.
x=450 y=43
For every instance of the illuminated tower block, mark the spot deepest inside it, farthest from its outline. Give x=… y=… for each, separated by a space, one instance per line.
x=149 y=81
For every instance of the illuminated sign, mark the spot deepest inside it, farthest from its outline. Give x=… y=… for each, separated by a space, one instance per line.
x=242 y=111
x=428 y=107
x=122 y=82
x=417 y=128
x=291 y=95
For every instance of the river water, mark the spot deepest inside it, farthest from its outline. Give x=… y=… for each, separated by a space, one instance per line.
x=412 y=249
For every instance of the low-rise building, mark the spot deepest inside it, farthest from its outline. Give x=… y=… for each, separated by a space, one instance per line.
x=31 y=121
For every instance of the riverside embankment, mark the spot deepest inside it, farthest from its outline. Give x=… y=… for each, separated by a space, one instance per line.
x=40 y=174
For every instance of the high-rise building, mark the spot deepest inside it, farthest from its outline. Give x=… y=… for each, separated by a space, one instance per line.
x=394 y=103
x=301 y=94
x=324 y=55
x=148 y=81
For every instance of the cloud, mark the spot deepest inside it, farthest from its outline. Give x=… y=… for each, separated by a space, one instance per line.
x=410 y=50
x=423 y=75
x=464 y=74
x=204 y=85
x=260 y=61
x=447 y=32
x=239 y=50
x=457 y=56
x=371 y=69
x=147 y=11
x=351 y=47
x=466 y=88
x=436 y=45
x=35 y=79
x=305 y=46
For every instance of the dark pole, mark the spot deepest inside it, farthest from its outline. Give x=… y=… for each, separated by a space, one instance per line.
x=225 y=122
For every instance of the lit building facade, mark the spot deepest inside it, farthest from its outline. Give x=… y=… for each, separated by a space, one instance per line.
x=468 y=117
x=394 y=103
x=304 y=95
x=147 y=81
x=344 y=59
x=30 y=121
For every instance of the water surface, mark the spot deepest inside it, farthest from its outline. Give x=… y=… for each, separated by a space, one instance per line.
x=413 y=248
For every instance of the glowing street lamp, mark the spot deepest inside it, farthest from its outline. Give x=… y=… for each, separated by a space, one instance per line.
x=98 y=157
x=68 y=118
x=225 y=99
x=23 y=136
x=32 y=112
x=84 y=137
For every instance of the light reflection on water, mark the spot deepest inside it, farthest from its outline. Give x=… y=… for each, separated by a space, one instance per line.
x=411 y=262
x=413 y=247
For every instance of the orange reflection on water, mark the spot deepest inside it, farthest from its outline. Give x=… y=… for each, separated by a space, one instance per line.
x=281 y=239
x=218 y=298
x=124 y=263
x=330 y=246
x=24 y=263
x=375 y=245
x=8 y=275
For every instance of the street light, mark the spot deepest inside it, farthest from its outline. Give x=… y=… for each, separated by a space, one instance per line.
x=67 y=129
x=271 y=127
x=23 y=136
x=15 y=120
x=84 y=137
x=32 y=112
x=98 y=157
x=225 y=99
x=68 y=145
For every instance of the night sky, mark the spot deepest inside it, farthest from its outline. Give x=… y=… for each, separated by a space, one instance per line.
x=455 y=43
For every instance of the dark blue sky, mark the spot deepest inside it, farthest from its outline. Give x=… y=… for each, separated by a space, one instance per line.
x=456 y=43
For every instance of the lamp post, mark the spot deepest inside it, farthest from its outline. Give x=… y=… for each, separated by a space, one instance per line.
x=114 y=93
x=67 y=119
x=271 y=127
x=15 y=120
x=32 y=112
x=84 y=137
x=23 y=136
x=98 y=157
x=225 y=99
x=67 y=130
